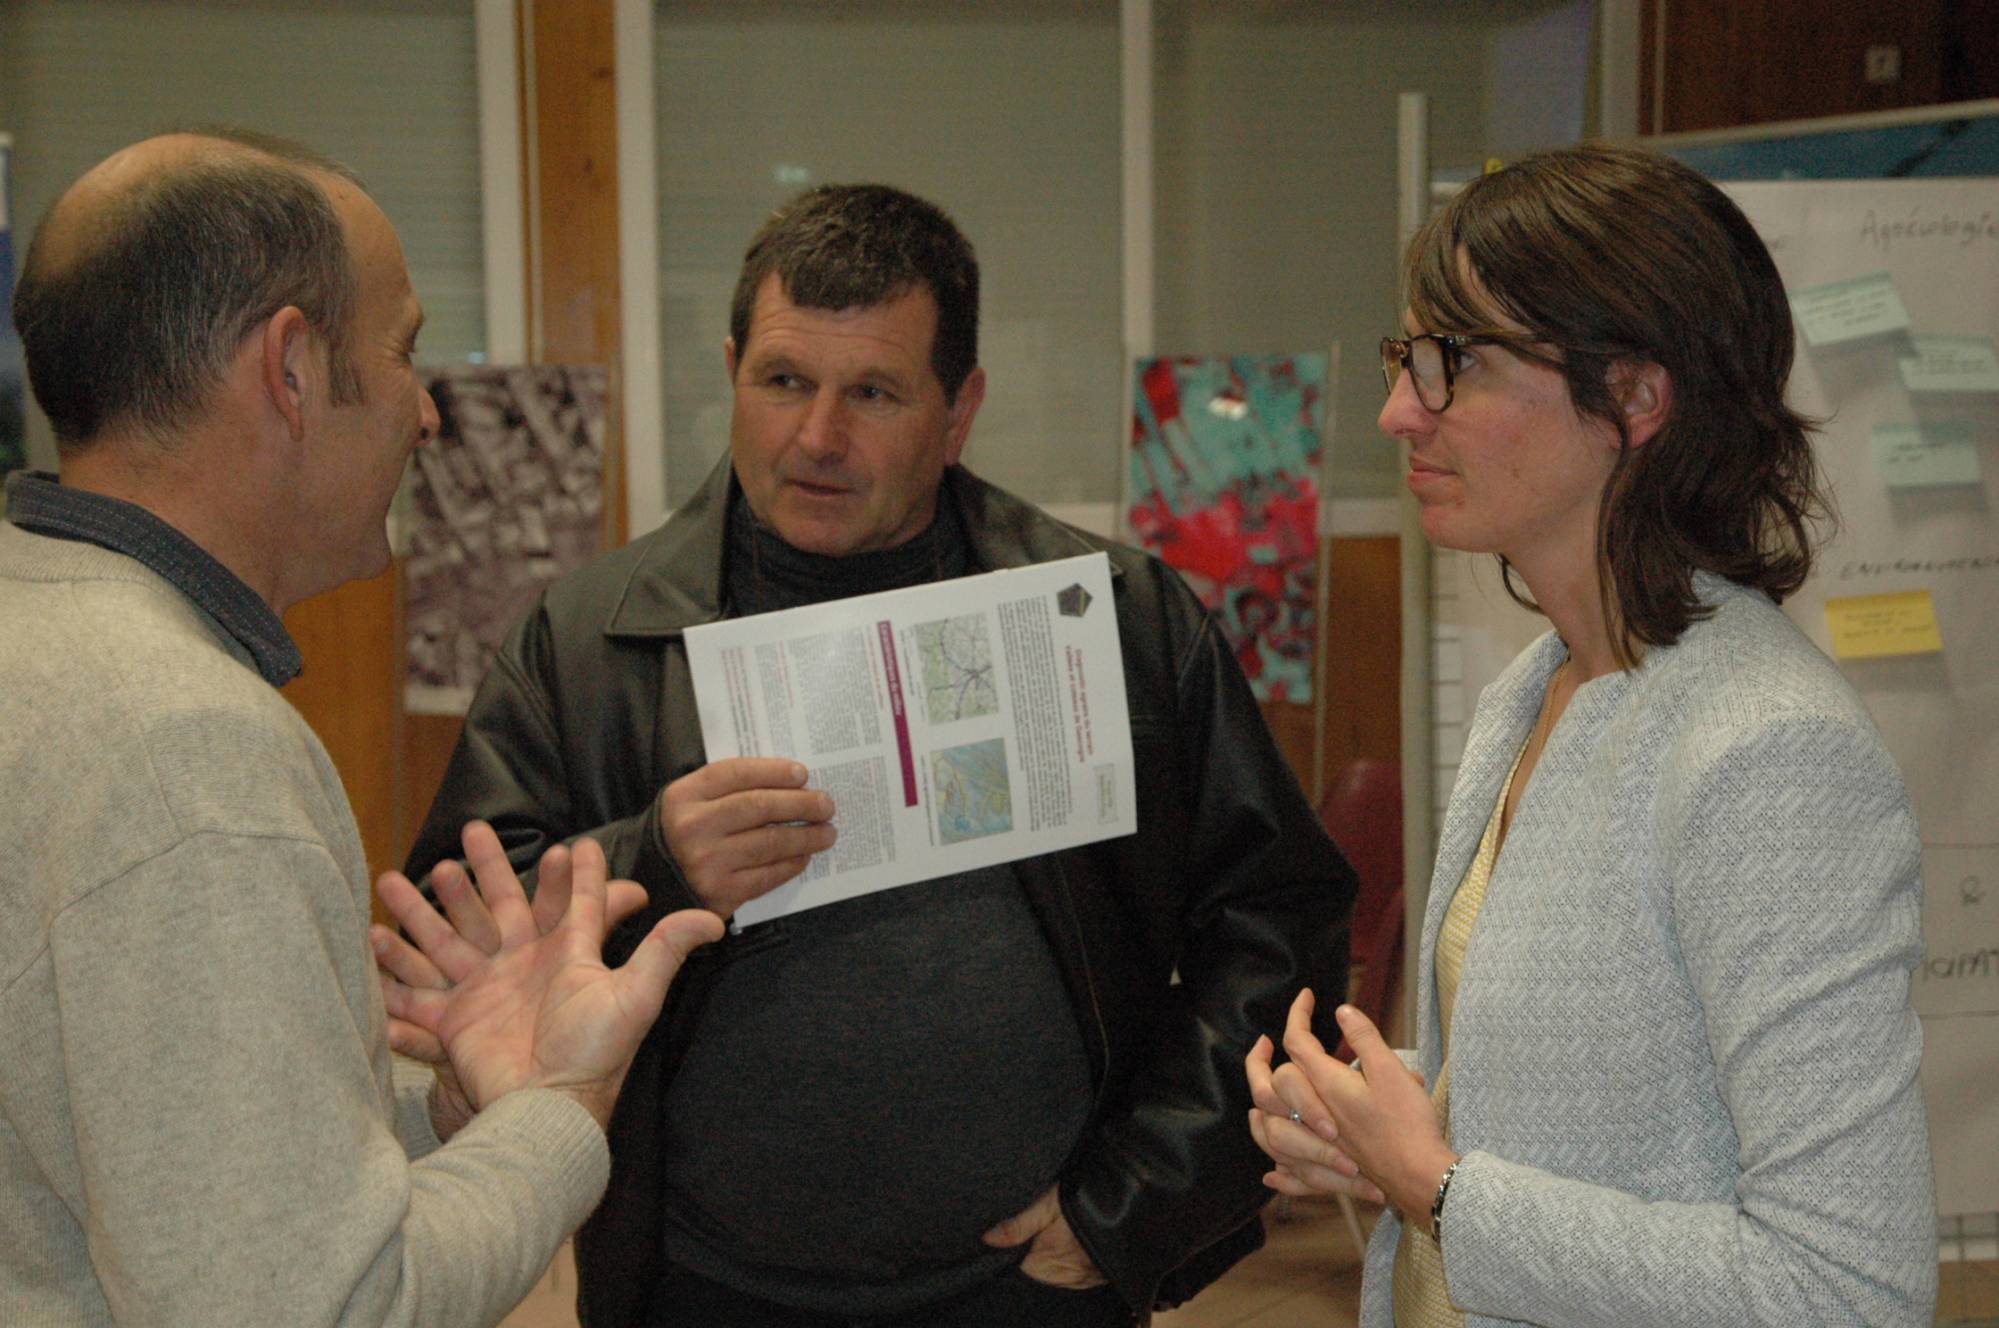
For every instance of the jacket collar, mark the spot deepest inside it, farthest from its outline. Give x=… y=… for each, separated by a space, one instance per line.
x=676 y=580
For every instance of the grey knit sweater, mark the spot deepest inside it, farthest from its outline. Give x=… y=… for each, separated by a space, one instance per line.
x=1683 y=1056
x=199 y=1122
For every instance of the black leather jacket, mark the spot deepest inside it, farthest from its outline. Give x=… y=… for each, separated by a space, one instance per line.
x=589 y=711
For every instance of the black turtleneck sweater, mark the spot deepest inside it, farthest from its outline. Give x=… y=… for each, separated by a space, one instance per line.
x=875 y=1082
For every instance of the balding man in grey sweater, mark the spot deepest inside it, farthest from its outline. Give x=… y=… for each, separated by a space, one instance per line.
x=200 y=1119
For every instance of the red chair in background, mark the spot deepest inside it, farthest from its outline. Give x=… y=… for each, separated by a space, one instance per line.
x=1362 y=811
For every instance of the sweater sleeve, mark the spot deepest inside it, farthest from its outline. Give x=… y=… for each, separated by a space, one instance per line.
x=235 y=1127
x=413 y=1081
x=1791 y=864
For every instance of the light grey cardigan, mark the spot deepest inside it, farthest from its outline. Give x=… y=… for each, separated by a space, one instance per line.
x=1683 y=1057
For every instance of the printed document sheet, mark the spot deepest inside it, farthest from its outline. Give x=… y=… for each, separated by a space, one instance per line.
x=956 y=725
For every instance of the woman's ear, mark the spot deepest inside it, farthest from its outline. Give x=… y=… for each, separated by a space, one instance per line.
x=1644 y=392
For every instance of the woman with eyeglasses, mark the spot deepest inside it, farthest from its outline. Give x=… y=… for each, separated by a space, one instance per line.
x=1666 y=1061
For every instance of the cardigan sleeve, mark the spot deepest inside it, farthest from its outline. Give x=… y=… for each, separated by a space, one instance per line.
x=1790 y=863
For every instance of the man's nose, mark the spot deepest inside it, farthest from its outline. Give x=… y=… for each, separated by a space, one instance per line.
x=428 y=417
x=822 y=433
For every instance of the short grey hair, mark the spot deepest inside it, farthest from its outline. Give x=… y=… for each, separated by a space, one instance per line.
x=137 y=321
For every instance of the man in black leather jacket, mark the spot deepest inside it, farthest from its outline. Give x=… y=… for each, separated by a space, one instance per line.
x=1010 y=1096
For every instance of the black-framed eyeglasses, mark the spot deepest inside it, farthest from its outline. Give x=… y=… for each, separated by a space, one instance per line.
x=1432 y=359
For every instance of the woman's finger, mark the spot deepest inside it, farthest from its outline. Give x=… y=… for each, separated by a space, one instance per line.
x=1298 y=1099
x=1308 y=1181
x=1301 y=1044
x=1287 y=1141
x=1371 y=1052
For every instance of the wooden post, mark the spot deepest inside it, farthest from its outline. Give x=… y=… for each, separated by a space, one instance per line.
x=573 y=201
x=569 y=170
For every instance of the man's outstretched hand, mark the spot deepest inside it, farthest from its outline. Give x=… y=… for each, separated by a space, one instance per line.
x=517 y=999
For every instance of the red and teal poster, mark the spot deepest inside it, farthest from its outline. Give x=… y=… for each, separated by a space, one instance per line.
x=1224 y=486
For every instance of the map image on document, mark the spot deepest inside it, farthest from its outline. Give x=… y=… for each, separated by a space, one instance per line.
x=972 y=794
x=957 y=661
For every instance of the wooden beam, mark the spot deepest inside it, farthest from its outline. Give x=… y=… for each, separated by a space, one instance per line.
x=569 y=166
x=574 y=239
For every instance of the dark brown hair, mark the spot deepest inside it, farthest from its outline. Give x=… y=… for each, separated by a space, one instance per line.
x=135 y=323
x=1614 y=257
x=847 y=246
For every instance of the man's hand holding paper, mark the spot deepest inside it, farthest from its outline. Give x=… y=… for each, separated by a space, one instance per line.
x=743 y=825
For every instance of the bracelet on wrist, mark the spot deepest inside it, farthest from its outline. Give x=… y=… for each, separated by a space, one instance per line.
x=1437 y=1204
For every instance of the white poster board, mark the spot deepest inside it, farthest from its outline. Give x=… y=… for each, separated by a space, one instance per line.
x=1895 y=285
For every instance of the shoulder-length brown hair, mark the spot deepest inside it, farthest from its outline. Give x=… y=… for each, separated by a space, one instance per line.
x=1618 y=256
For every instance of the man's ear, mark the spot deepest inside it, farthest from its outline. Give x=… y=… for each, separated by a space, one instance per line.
x=964 y=407
x=285 y=367
x=1644 y=392
x=729 y=356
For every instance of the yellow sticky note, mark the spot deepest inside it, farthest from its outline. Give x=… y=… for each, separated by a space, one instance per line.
x=1868 y=626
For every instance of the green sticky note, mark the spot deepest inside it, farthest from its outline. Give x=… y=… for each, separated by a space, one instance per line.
x=1849 y=310
x=1950 y=364
x=1913 y=457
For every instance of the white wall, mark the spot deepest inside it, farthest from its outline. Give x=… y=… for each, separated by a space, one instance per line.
x=387 y=86
x=1537 y=72
x=1275 y=156
x=1006 y=116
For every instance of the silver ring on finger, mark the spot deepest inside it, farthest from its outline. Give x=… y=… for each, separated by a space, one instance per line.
x=1296 y=1119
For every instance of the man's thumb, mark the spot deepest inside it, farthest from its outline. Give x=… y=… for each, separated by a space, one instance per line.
x=660 y=955
x=1024 y=1225
x=1014 y=1231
